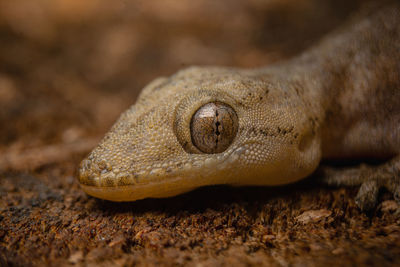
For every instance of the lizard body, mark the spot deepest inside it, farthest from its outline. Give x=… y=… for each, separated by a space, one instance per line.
x=340 y=99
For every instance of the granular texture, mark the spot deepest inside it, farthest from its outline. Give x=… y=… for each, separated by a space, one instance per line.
x=67 y=70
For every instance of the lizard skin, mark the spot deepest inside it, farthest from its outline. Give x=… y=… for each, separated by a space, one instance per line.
x=339 y=99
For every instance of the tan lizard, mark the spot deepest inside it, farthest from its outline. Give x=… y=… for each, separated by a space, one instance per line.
x=265 y=126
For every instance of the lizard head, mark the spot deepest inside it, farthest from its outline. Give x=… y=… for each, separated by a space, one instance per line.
x=203 y=126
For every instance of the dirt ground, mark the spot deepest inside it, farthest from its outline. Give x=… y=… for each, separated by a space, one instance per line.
x=67 y=70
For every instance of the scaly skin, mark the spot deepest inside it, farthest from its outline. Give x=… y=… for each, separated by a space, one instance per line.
x=340 y=99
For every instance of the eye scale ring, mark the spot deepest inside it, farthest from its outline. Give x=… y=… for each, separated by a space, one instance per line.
x=213 y=127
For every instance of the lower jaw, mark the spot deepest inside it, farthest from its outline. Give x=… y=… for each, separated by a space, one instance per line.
x=136 y=192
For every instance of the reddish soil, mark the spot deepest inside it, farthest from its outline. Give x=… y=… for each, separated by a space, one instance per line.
x=68 y=68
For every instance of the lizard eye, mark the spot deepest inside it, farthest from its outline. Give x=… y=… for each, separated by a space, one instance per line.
x=213 y=127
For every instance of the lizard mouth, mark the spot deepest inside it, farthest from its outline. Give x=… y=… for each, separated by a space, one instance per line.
x=104 y=182
x=236 y=166
x=129 y=188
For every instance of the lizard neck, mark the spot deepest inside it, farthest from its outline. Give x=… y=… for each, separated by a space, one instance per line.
x=342 y=80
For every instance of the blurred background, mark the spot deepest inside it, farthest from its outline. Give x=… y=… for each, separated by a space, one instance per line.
x=69 y=67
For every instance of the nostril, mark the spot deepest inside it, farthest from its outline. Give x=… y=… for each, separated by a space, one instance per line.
x=102 y=165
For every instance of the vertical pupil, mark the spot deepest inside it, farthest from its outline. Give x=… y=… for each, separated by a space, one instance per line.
x=213 y=127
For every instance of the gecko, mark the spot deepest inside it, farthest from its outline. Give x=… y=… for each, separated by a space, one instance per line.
x=265 y=126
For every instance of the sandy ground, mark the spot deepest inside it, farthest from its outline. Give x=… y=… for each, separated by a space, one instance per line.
x=67 y=70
